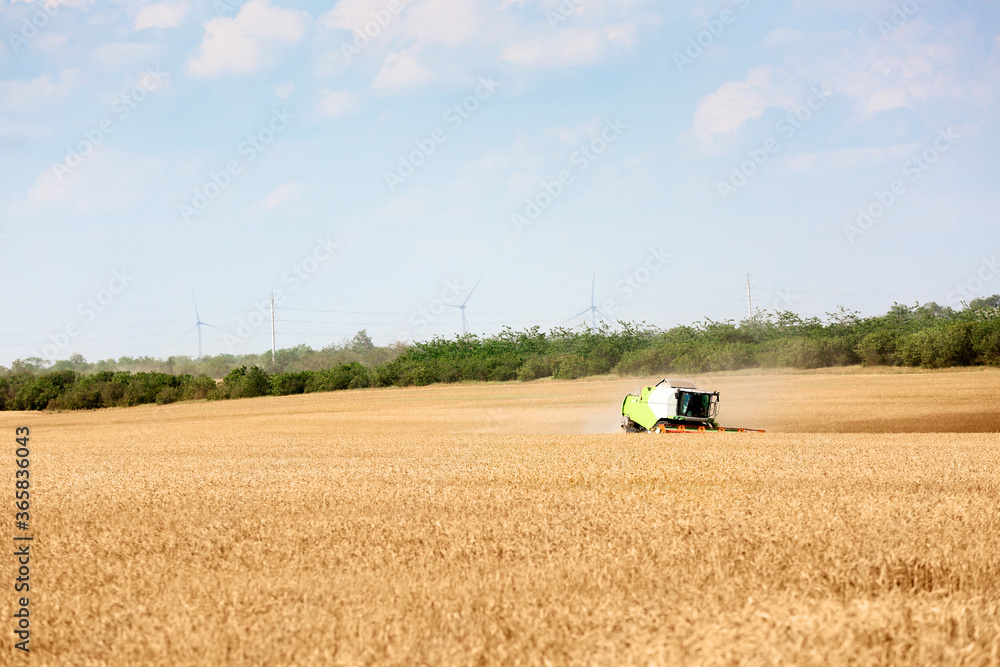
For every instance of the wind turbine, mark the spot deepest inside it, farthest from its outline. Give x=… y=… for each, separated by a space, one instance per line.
x=198 y=325
x=593 y=310
x=465 y=323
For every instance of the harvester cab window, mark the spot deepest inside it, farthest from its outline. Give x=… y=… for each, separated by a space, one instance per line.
x=696 y=406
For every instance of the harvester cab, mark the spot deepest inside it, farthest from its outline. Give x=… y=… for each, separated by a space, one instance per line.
x=673 y=406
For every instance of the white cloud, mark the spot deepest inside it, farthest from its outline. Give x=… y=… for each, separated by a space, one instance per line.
x=353 y=15
x=245 y=44
x=49 y=42
x=336 y=103
x=737 y=102
x=419 y=23
x=533 y=158
x=920 y=65
x=278 y=196
x=576 y=135
x=400 y=71
x=848 y=160
x=105 y=182
x=161 y=15
x=18 y=132
x=430 y=39
x=569 y=47
x=38 y=94
x=76 y=4
x=449 y=23
x=858 y=12
x=125 y=55
x=913 y=69
x=284 y=90
x=886 y=99
x=920 y=68
x=783 y=37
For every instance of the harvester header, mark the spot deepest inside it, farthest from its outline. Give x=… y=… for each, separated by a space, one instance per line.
x=674 y=406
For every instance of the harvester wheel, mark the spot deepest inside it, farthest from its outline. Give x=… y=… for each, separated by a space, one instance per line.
x=631 y=427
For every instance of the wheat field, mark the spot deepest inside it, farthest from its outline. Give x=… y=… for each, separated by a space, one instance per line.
x=513 y=524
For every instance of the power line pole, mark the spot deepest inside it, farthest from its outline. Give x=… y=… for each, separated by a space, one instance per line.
x=272 y=328
x=749 y=301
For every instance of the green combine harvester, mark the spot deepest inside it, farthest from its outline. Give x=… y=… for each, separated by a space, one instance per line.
x=674 y=406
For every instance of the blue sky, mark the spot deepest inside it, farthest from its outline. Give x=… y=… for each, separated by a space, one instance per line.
x=370 y=160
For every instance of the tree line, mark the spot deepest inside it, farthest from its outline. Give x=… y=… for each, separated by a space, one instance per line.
x=929 y=336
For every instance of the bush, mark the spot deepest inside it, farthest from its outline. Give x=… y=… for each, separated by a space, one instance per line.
x=38 y=392
x=416 y=373
x=650 y=361
x=732 y=357
x=168 y=395
x=199 y=388
x=256 y=383
x=361 y=379
x=569 y=367
x=877 y=348
x=285 y=384
x=952 y=346
x=83 y=395
x=805 y=353
x=243 y=383
x=388 y=374
x=448 y=371
x=334 y=379
x=986 y=342
x=928 y=335
x=534 y=368
x=504 y=371
x=113 y=387
x=143 y=387
x=939 y=347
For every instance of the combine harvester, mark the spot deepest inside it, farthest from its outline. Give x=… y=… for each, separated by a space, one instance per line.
x=674 y=406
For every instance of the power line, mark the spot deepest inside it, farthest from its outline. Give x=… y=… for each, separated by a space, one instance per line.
x=679 y=304
x=340 y=312
x=882 y=296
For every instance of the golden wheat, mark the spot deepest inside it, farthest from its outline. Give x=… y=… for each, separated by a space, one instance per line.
x=509 y=524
